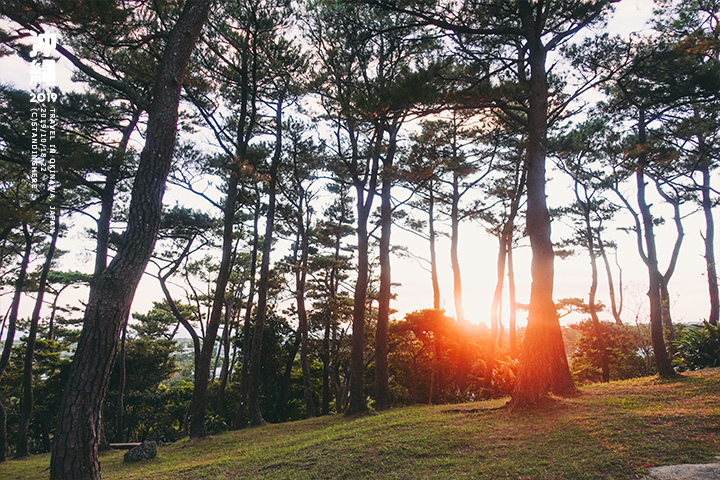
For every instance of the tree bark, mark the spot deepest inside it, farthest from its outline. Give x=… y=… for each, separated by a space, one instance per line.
x=543 y=364
x=75 y=451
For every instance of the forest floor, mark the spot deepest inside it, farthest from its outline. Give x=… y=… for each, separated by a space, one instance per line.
x=609 y=431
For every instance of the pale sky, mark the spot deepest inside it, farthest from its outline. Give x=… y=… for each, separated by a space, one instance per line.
x=477 y=250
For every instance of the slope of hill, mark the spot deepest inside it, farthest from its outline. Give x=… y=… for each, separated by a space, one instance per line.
x=613 y=431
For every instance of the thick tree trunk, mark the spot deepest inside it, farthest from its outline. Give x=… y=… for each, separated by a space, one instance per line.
x=26 y=403
x=709 y=239
x=543 y=364
x=75 y=450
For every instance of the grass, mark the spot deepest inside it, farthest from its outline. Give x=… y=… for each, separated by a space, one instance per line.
x=610 y=431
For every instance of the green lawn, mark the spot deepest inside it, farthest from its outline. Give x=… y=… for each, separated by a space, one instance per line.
x=612 y=431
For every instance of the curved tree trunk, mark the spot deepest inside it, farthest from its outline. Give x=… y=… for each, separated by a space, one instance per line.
x=662 y=360
x=76 y=446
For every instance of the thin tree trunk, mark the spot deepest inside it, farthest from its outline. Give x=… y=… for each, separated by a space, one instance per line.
x=198 y=402
x=590 y=244
x=26 y=403
x=616 y=309
x=75 y=454
x=709 y=239
x=287 y=376
x=433 y=255
x=225 y=370
x=120 y=415
x=364 y=201
x=513 y=301
x=382 y=389
x=254 y=379
x=662 y=360
x=495 y=311
x=10 y=336
x=240 y=411
x=300 y=280
x=454 y=261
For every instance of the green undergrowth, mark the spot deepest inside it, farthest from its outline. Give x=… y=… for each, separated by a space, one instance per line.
x=610 y=431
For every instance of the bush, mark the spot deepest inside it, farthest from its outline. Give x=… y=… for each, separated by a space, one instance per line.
x=697 y=346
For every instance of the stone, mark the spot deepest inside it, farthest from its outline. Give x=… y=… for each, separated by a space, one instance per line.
x=144 y=451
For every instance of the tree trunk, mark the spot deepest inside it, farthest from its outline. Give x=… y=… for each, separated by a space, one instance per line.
x=513 y=303
x=300 y=280
x=543 y=363
x=287 y=376
x=454 y=261
x=590 y=244
x=662 y=360
x=616 y=309
x=224 y=371
x=10 y=336
x=26 y=403
x=709 y=239
x=75 y=450
x=495 y=311
x=382 y=389
x=198 y=402
x=254 y=379
x=120 y=415
x=240 y=411
x=356 y=401
x=433 y=255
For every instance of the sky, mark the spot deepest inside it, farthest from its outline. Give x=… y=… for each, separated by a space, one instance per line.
x=477 y=250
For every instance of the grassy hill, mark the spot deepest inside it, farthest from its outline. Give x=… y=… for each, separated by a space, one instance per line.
x=612 y=431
